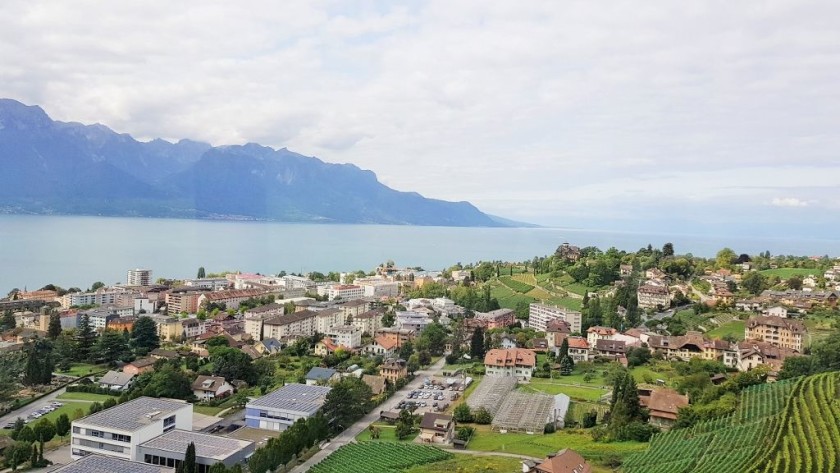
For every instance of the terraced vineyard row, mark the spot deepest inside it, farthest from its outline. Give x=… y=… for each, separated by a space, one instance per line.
x=517 y=286
x=379 y=457
x=730 y=443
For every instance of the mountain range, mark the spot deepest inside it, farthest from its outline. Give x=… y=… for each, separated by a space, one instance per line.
x=53 y=167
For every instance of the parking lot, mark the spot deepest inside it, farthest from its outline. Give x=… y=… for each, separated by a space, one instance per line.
x=36 y=414
x=433 y=396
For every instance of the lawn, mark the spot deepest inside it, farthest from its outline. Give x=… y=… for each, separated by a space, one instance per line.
x=578 y=288
x=541 y=445
x=386 y=433
x=470 y=463
x=787 y=273
x=82 y=369
x=649 y=374
x=553 y=387
x=84 y=397
x=68 y=408
x=508 y=299
x=734 y=328
x=818 y=328
x=208 y=410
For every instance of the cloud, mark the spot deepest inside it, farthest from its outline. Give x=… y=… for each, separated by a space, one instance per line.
x=542 y=110
x=788 y=202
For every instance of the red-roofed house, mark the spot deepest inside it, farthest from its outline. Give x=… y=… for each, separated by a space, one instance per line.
x=517 y=362
x=385 y=346
x=595 y=333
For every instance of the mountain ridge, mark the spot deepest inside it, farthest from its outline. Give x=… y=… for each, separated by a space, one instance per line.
x=55 y=167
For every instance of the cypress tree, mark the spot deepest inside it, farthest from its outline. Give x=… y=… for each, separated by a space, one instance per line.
x=54 y=329
x=86 y=337
x=189 y=463
x=566 y=366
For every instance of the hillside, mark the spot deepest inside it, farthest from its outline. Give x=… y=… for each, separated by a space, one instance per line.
x=789 y=426
x=51 y=167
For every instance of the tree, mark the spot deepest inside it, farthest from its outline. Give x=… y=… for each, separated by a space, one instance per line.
x=477 y=343
x=18 y=453
x=96 y=285
x=26 y=434
x=482 y=416
x=668 y=249
x=166 y=382
x=62 y=425
x=462 y=413
x=724 y=258
x=795 y=283
x=413 y=364
x=406 y=350
x=144 y=337
x=201 y=274
x=65 y=350
x=754 y=282
x=564 y=349
x=637 y=356
x=39 y=363
x=590 y=419
x=231 y=364
x=405 y=424
x=433 y=338
x=54 y=328
x=826 y=353
x=566 y=366
x=8 y=322
x=794 y=366
x=347 y=401
x=94 y=408
x=85 y=338
x=111 y=347
x=44 y=430
x=189 y=464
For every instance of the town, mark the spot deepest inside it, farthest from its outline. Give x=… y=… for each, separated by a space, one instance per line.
x=583 y=360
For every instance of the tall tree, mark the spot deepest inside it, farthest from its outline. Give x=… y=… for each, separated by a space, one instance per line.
x=566 y=366
x=85 y=338
x=144 y=337
x=477 y=344
x=54 y=328
x=39 y=363
x=111 y=347
x=754 y=282
x=231 y=364
x=62 y=425
x=201 y=274
x=668 y=249
x=8 y=321
x=65 y=350
x=347 y=402
x=564 y=349
x=189 y=464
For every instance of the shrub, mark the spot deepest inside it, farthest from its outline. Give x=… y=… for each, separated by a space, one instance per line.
x=482 y=416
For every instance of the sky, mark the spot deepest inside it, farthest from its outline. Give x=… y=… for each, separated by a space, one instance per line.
x=688 y=117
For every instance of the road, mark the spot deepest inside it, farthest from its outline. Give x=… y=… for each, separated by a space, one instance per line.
x=32 y=407
x=349 y=434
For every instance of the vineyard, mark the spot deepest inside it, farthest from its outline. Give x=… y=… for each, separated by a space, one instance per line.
x=517 y=286
x=379 y=457
x=788 y=426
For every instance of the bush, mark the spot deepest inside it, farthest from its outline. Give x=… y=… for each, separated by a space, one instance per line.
x=550 y=428
x=590 y=419
x=482 y=416
x=462 y=413
x=465 y=433
x=638 y=431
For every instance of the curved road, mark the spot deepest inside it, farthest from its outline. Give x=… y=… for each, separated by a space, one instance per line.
x=349 y=434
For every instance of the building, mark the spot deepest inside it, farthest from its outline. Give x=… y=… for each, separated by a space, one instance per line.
x=664 y=405
x=192 y=328
x=597 y=332
x=120 y=430
x=346 y=292
x=101 y=296
x=99 y=318
x=518 y=362
x=353 y=308
x=777 y=311
x=213 y=284
x=326 y=319
x=610 y=348
x=105 y=464
x=383 y=346
x=116 y=381
x=369 y=322
x=410 y=320
x=231 y=299
x=377 y=383
x=564 y=461
x=346 y=335
x=255 y=317
x=379 y=289
x=138 y=277
x=778 y=331
x=437 y=428
x=568 y=252
x=753 y=353
x=168 y=450
x=168 y=328
x=268 y=346
x=297 y=323
x=183 y=300
x=318 y=376
x=140 y=366
x=280 y=409
x=540 y=315
x=206 y=388
x=653 y=297
x=499 y=318
x=122 y=323
x=394 y=369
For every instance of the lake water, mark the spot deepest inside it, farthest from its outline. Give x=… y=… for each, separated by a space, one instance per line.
x=77 y=251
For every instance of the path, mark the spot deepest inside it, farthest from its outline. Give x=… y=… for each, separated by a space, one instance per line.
x=349 y=434
x=31 y=407
x=481 y=453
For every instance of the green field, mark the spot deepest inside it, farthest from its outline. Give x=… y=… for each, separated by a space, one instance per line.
x=541 y=445
x=508 y=298
x=578 y=288
x=84 y=397
x=734 y=328
x=787 y=273
x=649 y=374
x=547 y=386
x=82 y=369
x=470 y=463
x=386 y=433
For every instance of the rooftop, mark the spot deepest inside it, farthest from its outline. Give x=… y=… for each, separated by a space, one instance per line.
x=318 y=373
x=116 y=378
x=137 y=413
x=103 y=464
x=294 y=397
x=206 y=446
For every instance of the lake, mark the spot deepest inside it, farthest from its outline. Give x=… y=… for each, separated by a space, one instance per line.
x=77 y=251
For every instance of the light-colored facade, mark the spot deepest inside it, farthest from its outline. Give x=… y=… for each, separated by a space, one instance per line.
x=345 y=292
x=539 y=315
x=516 y=362
x=99 y=297
x=255 y=317
x=369 y=322
x=214 y=284
x=593 y=334
x=280 y=409
x=169 y=449
x=379 y=289
x=345 y=335
x=297 y=323
x=183 y=300
x=414 y=321
x=652 y=297
x=325 y=320
x=118 y=431
x=231 y=299
x=138 y=277
x=777 y=331
x=168 y=328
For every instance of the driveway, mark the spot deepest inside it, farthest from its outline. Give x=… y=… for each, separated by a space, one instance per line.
x=349 y=434
x=32 y=407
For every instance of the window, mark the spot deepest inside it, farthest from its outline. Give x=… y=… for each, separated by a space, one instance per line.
x=77 y=430
x=121 y=438
x=169 y=421
x=96 y=433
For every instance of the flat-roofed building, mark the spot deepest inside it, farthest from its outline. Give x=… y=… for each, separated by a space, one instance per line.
x=540 y=315
x=138 y=277
x=279 y=409
x=168 y=450
x=118 y=431
x=105 y=464
x=349 y=336
x=255 y=317
x=297 y=323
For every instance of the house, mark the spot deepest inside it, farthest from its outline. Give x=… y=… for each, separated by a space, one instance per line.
x=539 y=344
x=595 y=333
x=398 y=335
x=116 y=381
x=206 y=388
x=555 y=331
x=250 y=351
x=776 y=311
x=268 y=346
x=394 y=369
x=610 y=348
x=412 y=320
x=569 y=252
x=281 y=408
x=518 y=362
x=160 y=354
x=327 y=347
x=383 y=346
x=781 y=332
x=664 y=405
x=578 y=349
x=169 y=450
x=119 y=430
x=753 y=353
x=377 y=383
x=508 y=341
x=140 y=366
x=564 y=461
x=653 y=297
x=193 y=327
x=318 y=376
x=625 y=270
x=499 y=318
x=437 y=428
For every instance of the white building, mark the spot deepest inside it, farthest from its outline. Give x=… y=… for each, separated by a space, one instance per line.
x=139 y=277
x=349 y=336
x=539 y=315
x=193 y=327
x=255 y=317
x=325 y=320
x=516 y=362
x=301 y=323
x=378 y=287
x=118 y=431
x=214 y=284
x=411 y=320
x=280 y=409
x=345 y=292
x=99 y=297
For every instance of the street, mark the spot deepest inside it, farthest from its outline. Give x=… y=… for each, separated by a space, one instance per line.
x=350 y=433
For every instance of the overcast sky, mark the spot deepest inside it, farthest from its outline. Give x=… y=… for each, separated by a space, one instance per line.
x=625 y=115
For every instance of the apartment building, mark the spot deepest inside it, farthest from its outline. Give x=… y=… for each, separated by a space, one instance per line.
x=369 y=322
x=138 y=277
x=231 y=299
x=301 y=323
x=168 y=328
x=280 y=409
x=539 y=316
x=328 y=318
x=518 y=362
x=255 y=317
x=100 y=297
x=183 y=299
x=778 y=331
x=119 y=431
x=348 y=336
x=652 y=297
x=212 y=284
x=410 y=320
x=345 y=292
